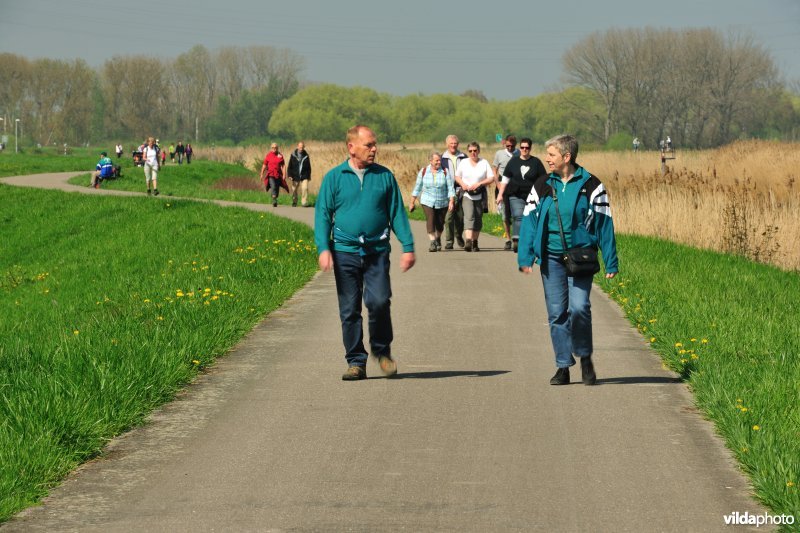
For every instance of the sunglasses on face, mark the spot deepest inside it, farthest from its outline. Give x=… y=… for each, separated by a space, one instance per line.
x=524 y=147
x=472 y=151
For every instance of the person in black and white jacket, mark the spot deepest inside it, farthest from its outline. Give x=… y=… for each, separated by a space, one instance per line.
x=299 y=171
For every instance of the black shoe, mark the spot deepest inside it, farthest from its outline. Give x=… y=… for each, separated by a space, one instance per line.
x=438 y=244
x=155 y=192
x=274 y=203
x=460 y=241
x=587 y=371
x=507 y=247
x=433 y=247
x=468 y=246
x=561 y=377
x=448 y=246
x=475 y=246
x=515 y=246
x=149 y=192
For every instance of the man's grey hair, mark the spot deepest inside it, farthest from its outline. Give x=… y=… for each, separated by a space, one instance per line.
x=434 y=154
x=451 y=136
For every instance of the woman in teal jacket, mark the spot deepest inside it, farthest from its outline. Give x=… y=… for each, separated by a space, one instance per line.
x=586 y=216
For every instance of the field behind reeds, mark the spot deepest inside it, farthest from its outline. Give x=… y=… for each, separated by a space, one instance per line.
x=742 y=198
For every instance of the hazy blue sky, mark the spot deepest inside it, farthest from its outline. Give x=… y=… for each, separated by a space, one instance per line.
x=507 y=50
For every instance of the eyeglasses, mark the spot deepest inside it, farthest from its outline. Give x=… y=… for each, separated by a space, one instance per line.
x=524 y=147
x=473 y=150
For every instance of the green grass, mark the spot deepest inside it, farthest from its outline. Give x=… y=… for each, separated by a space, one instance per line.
x=201 y=179
x=110 y=305
x=731 y=328
x=46 y=160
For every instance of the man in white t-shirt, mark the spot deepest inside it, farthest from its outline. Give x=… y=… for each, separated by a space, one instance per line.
x=150 y=155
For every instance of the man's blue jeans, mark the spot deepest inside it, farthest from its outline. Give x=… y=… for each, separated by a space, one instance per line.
x=569 y=311
x=364 y=277
x=517 y=209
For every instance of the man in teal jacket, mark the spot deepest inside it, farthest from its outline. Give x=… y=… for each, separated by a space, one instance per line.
x=358 y=205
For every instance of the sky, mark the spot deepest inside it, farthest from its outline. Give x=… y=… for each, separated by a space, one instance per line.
x=507 y=50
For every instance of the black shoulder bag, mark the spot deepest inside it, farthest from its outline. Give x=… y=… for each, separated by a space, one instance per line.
x=577 y=261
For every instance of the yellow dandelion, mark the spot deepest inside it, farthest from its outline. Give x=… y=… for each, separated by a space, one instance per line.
x=695 y=356
x=179 y=294
x=682 y=351
x=739 y=400
x=159 y=318
x=744 y=409
x=684 y=361
x=146 y=300
x=215 y=297
x=195 y=361
x=652 y=320
x=76 y=332
x=206 y=303
x=704 y=341
x=652 y=339
x=693 y=339
x=756 y=428
x=790 y=483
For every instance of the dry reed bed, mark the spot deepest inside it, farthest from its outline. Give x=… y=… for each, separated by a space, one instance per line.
x=724 y=199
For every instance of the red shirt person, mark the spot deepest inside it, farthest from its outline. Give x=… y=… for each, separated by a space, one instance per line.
x=273 y=173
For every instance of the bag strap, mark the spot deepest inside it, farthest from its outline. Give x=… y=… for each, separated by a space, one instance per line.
x=558 y=216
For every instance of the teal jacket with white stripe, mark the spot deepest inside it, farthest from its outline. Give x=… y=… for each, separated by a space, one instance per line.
x=360 y=213
x=590 y=225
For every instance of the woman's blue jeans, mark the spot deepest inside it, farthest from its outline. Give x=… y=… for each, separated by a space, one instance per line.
x=569 y=311
x=517 y=208
x=364 y=277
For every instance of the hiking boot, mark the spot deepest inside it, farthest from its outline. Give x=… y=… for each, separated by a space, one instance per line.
x=561 y=377
x=155 y=192
x=468 y=246
x=433 y=247
x=475 y=246
x=294 y=202
x=274 y=202
x=515 y=245
x=507 y=247
x=355 y=373
x=149 y=192
x=388 y=366
x=460 y=241
x=438 y=243
x=587 y=371
x=448 y=246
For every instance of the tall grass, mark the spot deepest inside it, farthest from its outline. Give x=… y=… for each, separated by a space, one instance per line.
x=743 y=198
x=109 y=305
x=731 y=328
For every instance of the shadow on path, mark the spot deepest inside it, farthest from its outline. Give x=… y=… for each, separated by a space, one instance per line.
x=639 y=380
x=450 y=374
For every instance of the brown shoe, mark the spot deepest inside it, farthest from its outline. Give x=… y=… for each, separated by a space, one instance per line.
x=388 y=366
x=355 y=373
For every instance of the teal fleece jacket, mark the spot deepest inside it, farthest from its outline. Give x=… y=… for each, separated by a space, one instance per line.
x=590 y=223
x=360 y=211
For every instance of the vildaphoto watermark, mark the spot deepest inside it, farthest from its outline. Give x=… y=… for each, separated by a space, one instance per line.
x=747 y=519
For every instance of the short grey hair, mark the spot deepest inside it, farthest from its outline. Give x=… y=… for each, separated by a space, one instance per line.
x=565 y=144
x=451 y=136
x=434 y=153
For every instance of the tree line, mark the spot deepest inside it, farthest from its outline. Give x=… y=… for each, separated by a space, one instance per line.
x=229 y=93
x=700 y=87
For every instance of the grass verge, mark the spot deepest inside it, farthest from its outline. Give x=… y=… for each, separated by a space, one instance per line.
x=201 y=179
x=110 y=305
x=731 y=328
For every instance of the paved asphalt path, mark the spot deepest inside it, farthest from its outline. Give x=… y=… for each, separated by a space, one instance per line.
x=470 y=437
